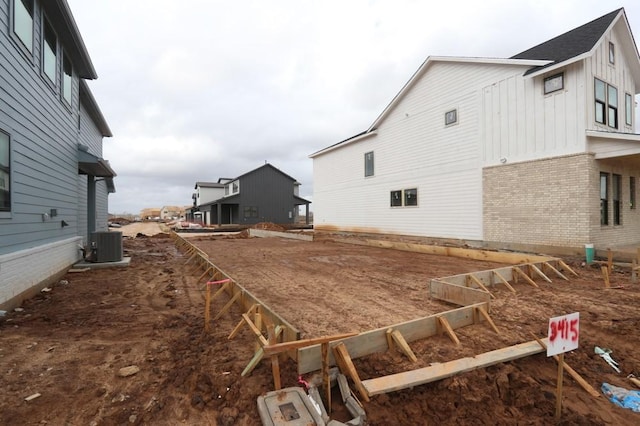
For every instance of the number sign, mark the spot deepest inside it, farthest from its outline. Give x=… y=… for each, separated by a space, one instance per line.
x=563 y=334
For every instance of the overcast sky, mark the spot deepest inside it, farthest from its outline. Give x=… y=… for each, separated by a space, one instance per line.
x=195 y=90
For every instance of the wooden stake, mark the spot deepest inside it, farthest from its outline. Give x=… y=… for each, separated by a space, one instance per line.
x=577 y=377
x=480 y=284
x=540 y=273
x=389 y=338
x=207 y=309
x=505 y=282
x=558 y=273
x=559 y=387
x=447 y=328
x=403 y=345
x=565 y=266
x=345 y=363
x=605 y=275
x=482 y=311
x=519 y=271
x=609 y=259
x=226 y=307
x=275 y=363
x=205 y=273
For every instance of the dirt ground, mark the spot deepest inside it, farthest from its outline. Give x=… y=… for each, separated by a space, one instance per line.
x=69 y=344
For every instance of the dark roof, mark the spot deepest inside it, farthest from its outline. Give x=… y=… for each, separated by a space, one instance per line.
x=265 y=165
x=570 y=44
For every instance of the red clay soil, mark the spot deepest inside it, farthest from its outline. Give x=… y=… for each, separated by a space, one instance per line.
x=68 y=344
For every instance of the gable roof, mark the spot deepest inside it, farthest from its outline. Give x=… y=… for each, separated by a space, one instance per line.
x=263 y=166
x=572 y=43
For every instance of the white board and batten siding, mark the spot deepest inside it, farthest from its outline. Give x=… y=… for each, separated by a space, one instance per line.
x=414 y=149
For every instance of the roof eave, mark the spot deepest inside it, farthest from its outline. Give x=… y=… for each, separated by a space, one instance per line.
x=344 y=143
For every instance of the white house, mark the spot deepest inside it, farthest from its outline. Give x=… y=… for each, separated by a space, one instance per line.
x=535 y=150
x=205 y=192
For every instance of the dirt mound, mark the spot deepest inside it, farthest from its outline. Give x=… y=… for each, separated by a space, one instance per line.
x=269 y=226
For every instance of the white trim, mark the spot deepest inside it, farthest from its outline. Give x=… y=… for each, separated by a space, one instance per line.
x=635 y=137
x=39 y=249
x=344 y=143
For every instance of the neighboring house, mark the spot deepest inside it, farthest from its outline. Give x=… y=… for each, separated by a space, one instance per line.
x=171 y=212
x=54 y=184
x=205 y=192
x=535 y=150
x=265 y=194
x=150 y=213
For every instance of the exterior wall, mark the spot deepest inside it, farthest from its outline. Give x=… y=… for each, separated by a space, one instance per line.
x=206 y=195
x=628 y=232
x=414 y=149
x=520 y=123
x=25 y=271
x=541 y=202
x=270 y=191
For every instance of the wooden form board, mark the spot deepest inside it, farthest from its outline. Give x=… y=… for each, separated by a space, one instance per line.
x=475 y=254
x=457 y=294
x=263 y=233
x=369 y=342
x=237 y=292
x=409 y=379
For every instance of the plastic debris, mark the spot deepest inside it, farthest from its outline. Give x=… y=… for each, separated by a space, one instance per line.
x=622 y=397
x=606 y=355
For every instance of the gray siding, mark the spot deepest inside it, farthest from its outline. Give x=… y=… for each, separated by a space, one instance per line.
x=271 y=191
x=44 y=137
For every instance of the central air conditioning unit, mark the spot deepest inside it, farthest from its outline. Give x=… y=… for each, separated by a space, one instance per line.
x=106 y=246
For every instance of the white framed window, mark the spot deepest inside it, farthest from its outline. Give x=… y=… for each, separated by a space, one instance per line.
x=235 y=187
x=451 y=117
x=23 y=22
x=606 y=103
x=612 y=53
x=628 y=109
x=554 y=83
x=404 y=197
x=368 y=164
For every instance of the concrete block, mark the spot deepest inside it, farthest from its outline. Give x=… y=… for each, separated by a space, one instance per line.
x=345 y=391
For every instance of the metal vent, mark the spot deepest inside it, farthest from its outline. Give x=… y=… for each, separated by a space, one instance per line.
x=107 y=246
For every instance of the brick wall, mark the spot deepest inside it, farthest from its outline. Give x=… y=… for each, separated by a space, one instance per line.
x=24 y=272
x=556 y=202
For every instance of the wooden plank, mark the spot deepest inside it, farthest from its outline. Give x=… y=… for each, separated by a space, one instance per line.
x=255 y=330
x=226 y=307
x=326 y=379
x=257 y=357
x=605 y=275
x=345 y=363
x=207 y=309
x=480 y=284
x=208 y=270
x=403 y=345
x=373 y=341
x=409 y=379
x=540 y=273
x=457 y=294
x=447 y=328
x=503 y=281
x=574 y=374
x=519 y=271
x=389 y=338
x=483 y=312
x=565 y=266
x=298 y=344
x=275 y=363
x=558 y=273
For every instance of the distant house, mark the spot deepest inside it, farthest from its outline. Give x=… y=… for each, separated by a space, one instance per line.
x=536 y=150
x=150 y=213
x=171 y=212
x=54 y=183
x=265 y=194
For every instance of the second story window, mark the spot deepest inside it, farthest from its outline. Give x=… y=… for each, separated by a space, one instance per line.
x=553 y=83
x=612 y=53
x=67 y=79
x=49 y=52
x=606 y=104
x=5 y=172
x=23 y=22
x=368 y=164
x=628 y=110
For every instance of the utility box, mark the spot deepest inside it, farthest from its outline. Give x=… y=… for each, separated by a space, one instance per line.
x=288 y=407
x=106 y=246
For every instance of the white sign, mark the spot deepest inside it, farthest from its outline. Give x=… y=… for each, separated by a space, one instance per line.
x=563 y=334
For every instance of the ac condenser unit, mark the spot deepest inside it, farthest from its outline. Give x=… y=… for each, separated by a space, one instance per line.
x=106 y=246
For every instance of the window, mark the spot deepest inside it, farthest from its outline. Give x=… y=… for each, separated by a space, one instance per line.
x=250 y=211
x=617 y=203
x=450 y=117
x=396 y=198
x=67 y=79
x=628 y=110
x=5 y=173
x=368 y=164
x=235 y=187
x=606 y=103
x=612 y=111
x=604 y=199
x=554 y=83
x=632 y=192
x=49 y=51
x=404 y=197
x=23 y=22
x=411 y=197
x=612 y=53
